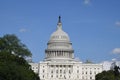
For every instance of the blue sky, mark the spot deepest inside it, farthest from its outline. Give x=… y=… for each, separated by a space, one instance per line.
x=93 y=25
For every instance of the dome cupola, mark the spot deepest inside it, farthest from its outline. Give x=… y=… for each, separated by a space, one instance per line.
x=59 y=34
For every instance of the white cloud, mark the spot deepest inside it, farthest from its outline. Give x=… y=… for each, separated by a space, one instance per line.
x=114 y=59
x=87 y=2
x=116 y=51
x=22 y=30
x=117 y=23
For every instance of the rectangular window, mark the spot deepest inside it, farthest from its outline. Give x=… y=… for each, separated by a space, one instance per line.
x=69 y=76
x=60 y=71
x=82 y=72
x=69 y=65
x=60 y=75
x=83 y=77
x=52 y=71
x=56 y=71
x=43 y=70
x=32 y=67
x=69 y=71
x=64 y=71
x=94 y=72
x=64 y=77
x=51 y=76
x=90 y=77
x=90 y=72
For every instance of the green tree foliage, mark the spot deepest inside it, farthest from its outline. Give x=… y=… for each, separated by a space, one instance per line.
x=14 y=66
x=12 y=44
x=109 y=75
x=105 y=75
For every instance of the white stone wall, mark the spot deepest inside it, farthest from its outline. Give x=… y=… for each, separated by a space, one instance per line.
x=66 y=70
x=90 y=70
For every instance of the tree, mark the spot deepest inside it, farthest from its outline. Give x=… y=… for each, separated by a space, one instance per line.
x=13 y=45
x=116 y=71
x=13 y=66
x=109 y=75
x=105 y=75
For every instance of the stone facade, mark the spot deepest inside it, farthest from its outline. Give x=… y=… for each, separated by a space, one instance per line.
x=59 y=62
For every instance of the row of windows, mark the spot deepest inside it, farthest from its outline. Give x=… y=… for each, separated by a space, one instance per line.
x=42 y=66
x=60 y=53
x=91 y=68
x=34 y=68
x=59 y=71
x=64 y=76
x=61 y=65
x=60 y=76
x=59 y=44
x=87 y=77
x=64 y=37
x=68 y=66
x=89 y=72
x=69 y=71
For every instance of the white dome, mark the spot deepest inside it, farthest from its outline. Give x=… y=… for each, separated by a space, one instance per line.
x=59 y=35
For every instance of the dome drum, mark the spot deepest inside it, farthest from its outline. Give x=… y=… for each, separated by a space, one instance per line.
x=52 y=54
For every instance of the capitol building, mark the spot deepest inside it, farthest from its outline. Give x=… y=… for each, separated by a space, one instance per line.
x=59 y=62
